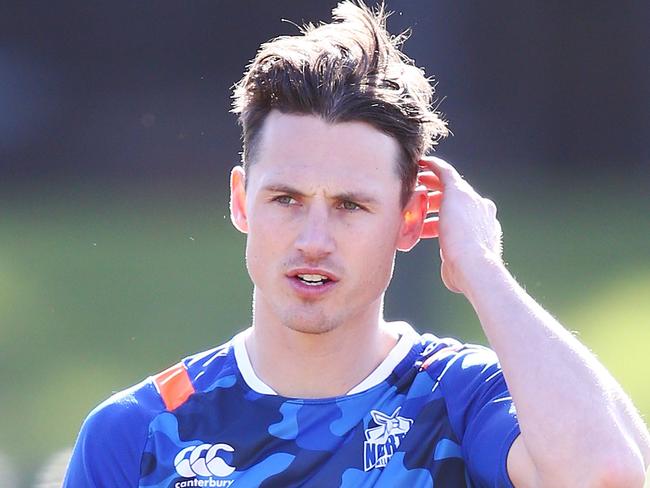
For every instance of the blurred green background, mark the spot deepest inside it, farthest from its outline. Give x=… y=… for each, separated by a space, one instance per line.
x=98 y=294
x=117 y=257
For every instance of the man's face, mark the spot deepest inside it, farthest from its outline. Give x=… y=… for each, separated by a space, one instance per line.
x=323 y=216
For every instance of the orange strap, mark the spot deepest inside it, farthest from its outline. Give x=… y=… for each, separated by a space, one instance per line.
x=174 y=385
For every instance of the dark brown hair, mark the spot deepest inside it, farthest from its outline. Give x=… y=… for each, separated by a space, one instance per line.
x=349 y=70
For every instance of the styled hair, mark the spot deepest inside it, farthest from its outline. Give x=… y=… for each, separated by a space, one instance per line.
x=349 y=70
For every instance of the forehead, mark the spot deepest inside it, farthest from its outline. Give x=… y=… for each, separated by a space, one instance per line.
x=307 y=149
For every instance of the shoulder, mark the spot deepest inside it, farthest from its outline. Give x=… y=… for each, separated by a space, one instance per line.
x=130 y=406
x=212 y=368
x=479 y=405
x=469 y=378
x=112 y=439
x=448 y=360
x=134 y=408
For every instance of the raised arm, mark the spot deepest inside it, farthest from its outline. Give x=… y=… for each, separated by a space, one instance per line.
x=578 y=427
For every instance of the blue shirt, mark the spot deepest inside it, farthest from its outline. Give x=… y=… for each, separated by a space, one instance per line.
x=435 y=413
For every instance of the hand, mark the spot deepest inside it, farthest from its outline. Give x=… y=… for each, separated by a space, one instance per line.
x=466 y=226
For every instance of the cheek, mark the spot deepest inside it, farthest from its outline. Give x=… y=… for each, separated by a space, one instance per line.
x=267 y=245
x=259 y=249
x=376 y=257
x=384 y=237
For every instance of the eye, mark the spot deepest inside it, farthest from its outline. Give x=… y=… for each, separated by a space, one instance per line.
x=285 y=200
x=348 y=205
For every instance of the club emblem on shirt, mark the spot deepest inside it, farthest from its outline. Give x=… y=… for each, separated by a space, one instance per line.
x=382 y=441
x=203 y=461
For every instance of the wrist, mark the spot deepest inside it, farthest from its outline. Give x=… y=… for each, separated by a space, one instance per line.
x=477 y=272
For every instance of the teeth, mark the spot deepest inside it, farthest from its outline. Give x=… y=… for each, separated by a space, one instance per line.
x=309 y=283
x=312 y=278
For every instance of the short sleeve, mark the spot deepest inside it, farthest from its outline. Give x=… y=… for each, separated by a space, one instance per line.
x=481 y=412
x=110 y=444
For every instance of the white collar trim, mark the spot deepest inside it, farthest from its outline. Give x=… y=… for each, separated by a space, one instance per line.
x=407 y=337
x=245 y=366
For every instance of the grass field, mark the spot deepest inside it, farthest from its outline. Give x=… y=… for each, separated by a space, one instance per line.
x=96 y=293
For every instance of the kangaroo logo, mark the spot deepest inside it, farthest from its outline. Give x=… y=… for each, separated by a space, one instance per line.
x=382 y=441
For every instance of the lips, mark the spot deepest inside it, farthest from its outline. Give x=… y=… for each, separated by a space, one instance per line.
x=312 y=275
x=312 y=282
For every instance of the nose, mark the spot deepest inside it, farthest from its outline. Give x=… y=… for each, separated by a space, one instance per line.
x=315 y=240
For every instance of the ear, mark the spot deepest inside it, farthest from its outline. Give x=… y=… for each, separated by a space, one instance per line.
x=238 y=214
x=413 y=217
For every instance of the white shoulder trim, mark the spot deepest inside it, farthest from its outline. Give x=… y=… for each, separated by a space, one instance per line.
x=408 y=337
x=245 y=366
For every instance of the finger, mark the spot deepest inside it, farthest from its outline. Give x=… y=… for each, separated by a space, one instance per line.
x=435 y=200
x=433 y=162
x=442 y=169
x=430 y=228
x=430 y=180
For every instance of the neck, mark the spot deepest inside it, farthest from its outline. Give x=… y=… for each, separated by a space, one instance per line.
x=306 y=365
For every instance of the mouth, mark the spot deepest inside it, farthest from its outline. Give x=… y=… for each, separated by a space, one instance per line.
x=312 y=282
x=311 y=279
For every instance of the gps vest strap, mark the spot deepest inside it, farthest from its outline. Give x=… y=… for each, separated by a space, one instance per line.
x=174 y=386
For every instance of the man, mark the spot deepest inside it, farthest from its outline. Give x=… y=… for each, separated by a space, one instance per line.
x=320 y=390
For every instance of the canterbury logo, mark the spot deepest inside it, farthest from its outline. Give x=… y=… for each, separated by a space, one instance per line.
x=203 y=460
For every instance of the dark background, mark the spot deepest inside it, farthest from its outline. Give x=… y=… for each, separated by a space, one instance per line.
x=104 y=93
x=116 y=255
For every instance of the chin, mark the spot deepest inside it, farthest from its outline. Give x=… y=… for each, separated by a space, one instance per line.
x=310 y=323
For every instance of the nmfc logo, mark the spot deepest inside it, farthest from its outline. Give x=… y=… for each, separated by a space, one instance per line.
x=383 y=441
x=204 y=461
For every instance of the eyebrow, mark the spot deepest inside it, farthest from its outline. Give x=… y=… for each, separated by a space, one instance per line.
x=352 y=196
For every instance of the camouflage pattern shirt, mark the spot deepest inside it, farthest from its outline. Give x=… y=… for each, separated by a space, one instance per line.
x=435 y=413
